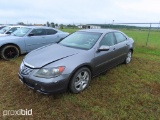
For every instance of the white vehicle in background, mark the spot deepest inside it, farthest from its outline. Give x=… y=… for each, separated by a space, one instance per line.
x=28 y=38
x=2 y=26
x=8 y=30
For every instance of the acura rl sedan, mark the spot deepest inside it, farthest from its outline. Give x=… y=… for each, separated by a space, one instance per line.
x=72 y=62
x=26 y=39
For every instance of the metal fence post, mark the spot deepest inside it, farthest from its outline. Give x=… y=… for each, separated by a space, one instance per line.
x=148 y=35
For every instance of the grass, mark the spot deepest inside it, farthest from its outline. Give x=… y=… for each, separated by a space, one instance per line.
x=125 y=92
x=140 y=38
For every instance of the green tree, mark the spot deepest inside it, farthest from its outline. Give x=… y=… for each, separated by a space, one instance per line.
x=61 y=26
x=20 y=23
x=48 y=24
x=52 y=24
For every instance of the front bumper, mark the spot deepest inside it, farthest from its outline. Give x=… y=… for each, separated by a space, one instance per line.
x=46 y=86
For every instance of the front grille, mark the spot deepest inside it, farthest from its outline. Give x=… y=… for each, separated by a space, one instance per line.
x=26 y=70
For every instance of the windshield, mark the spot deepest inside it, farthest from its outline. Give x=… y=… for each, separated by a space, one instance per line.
x=5 y=29
x=81 y=40
x=21 y=32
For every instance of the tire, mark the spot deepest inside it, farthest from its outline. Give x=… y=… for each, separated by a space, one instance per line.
x=128 y=58
x=9 y=52
x=80 y=80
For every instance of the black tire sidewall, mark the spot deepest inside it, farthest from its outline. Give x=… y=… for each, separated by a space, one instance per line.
x=6 y=47
x=71 y=85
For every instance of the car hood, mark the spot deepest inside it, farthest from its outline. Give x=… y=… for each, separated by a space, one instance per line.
x=46 y=55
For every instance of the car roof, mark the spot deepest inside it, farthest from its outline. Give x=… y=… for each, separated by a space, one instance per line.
x=43 y=27
x=98 y=30
x=15 y=26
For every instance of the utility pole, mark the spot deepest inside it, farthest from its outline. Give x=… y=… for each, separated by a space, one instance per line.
x=148 y=34
x=112 y=23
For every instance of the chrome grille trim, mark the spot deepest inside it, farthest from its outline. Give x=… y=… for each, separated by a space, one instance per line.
x=31 y=66
x=26 y=70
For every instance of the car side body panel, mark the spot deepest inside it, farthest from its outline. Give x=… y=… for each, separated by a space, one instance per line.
x=29 y=43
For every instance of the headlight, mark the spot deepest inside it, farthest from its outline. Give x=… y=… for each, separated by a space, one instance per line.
x=49 y=72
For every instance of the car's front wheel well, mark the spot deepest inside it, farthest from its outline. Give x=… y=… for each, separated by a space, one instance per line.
x=75 y=70
x=80 y=79
x=10 y=44
x=131 y=50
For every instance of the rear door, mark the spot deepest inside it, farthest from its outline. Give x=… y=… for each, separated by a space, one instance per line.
x=121 y=47
x=52 y=36
x=35 y=39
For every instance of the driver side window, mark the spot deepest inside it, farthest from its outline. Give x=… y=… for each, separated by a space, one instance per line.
x=108 y=40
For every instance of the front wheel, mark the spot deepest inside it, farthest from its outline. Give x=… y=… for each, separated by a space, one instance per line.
x=128 y=58
x=80 y=80
x=9 y=52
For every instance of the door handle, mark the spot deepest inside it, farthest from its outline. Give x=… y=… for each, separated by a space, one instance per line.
x=114 y=49
x=43 y=37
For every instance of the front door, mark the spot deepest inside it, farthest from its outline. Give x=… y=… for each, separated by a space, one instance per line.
x=35 y=39
x=105 y=59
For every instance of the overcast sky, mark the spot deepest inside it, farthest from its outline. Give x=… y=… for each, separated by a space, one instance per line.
x=79 y=11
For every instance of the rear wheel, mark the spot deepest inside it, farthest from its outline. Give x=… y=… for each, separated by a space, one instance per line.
x=80 y=80
x=128 y=58
x=9 y=52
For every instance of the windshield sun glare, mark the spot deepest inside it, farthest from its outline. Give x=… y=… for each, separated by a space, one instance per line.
x=81 y=40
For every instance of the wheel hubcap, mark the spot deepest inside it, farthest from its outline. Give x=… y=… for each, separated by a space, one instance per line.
x=82 y=80
x=10 y=53
x=129 y=57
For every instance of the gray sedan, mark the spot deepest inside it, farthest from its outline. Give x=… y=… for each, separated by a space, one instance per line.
x=72 y=62
x=26 y=39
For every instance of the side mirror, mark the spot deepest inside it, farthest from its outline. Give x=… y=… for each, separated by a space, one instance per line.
x=31 y=34
x=103 y=48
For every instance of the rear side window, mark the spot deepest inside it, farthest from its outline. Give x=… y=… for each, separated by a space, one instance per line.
x=38 y=32
x=51 y=31
x=108 y=40
x=120 y=37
